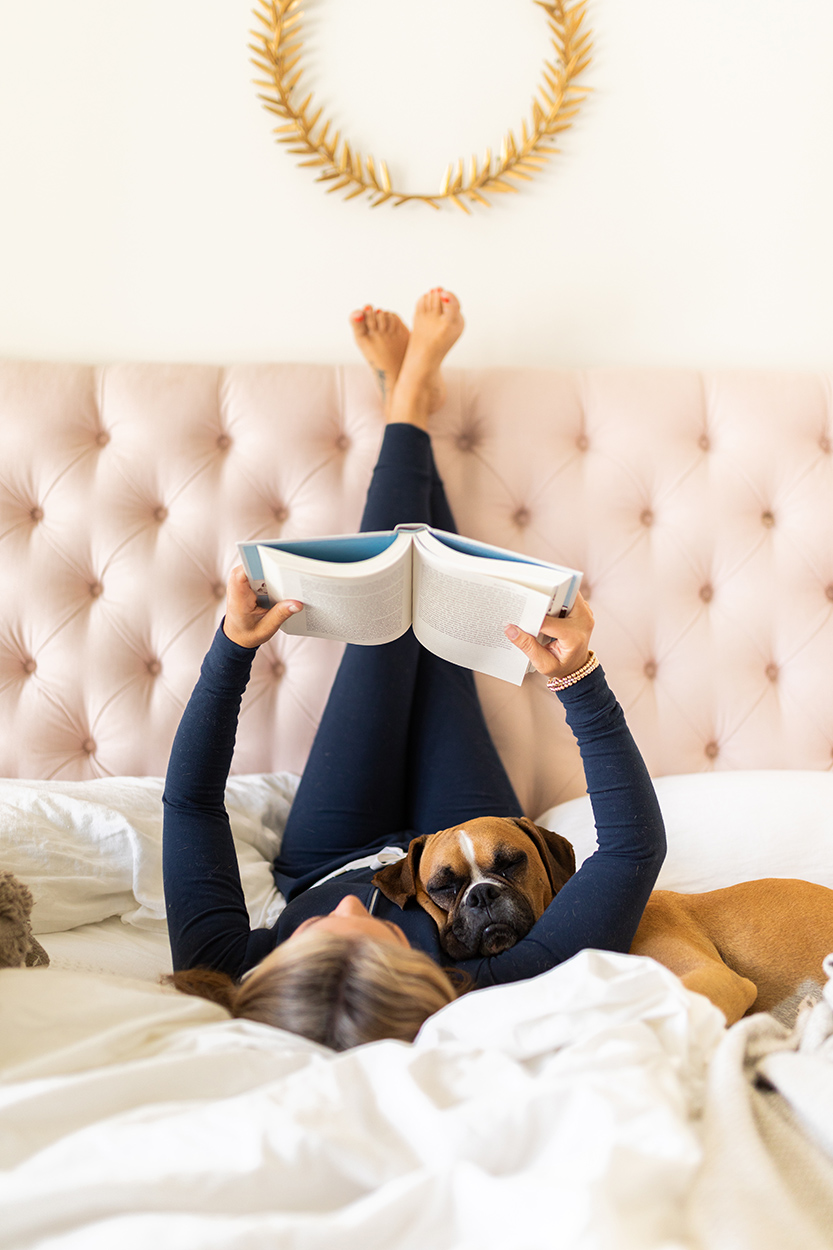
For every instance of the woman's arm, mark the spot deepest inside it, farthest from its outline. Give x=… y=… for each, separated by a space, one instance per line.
x=208 y=924
x=602 y=904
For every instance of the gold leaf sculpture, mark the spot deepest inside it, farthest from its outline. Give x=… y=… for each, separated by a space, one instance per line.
x=277 y=54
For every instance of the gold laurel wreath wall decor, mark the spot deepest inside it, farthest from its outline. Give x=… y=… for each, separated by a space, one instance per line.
x=277 y=54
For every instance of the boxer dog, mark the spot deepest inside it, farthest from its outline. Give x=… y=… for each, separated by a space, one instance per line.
x=486 y=882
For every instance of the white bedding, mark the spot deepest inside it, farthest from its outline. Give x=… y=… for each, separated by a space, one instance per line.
x=552 y=1112
x=563 y=1111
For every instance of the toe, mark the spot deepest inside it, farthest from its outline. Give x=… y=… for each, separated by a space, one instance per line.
x=382 y=320
x=357 y=322
x=450 y=302
x=370 y=318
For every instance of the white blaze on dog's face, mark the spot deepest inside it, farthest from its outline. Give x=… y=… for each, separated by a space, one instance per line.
x=467 y=847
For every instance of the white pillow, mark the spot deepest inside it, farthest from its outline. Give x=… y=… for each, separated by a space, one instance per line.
x=92 y=849
x=727 y=827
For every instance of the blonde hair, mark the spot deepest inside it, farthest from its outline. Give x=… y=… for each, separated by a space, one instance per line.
x=336 y=990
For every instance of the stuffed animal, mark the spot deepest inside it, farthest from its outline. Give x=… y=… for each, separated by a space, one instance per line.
x=18 y=946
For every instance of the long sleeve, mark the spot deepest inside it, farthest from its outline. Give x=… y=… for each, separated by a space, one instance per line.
x=602 y=904
x=208 y=924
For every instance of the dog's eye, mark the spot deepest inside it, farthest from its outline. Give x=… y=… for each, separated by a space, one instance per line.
x=509 y=865
x=444 y=887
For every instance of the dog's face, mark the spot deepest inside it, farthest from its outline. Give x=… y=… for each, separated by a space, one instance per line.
x=484 y=882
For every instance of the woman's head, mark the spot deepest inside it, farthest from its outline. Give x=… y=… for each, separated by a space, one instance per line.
x=340 y=984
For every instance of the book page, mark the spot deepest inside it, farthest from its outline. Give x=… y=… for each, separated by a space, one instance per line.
x=467 y=554
x=344 y=602
x=461 y=616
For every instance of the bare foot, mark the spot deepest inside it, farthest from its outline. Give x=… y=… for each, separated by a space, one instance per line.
x=420 y=389
x=382 y=339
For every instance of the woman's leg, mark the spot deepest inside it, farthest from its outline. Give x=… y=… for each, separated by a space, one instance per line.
x=352 y=792
x=455 y=772
x=355 y=786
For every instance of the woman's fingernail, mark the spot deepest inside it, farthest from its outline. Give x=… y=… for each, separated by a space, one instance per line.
x=511 y=631
x=294 y=607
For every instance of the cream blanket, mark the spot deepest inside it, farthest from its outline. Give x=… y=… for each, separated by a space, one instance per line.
x=767 y=1176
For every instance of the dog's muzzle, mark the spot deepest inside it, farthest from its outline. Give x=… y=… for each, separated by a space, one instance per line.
x=490 y=917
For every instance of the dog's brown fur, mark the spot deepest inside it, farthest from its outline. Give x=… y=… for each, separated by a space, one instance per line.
x=747 y=947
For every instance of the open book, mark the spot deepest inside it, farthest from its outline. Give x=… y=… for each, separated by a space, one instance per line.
x=457 y=593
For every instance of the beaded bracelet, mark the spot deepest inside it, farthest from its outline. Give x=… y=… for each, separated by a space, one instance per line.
x=561 y=683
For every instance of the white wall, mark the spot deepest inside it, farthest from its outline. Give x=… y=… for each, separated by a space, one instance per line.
x=146 y=213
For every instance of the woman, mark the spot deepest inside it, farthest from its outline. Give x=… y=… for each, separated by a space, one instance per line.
x=402 y=749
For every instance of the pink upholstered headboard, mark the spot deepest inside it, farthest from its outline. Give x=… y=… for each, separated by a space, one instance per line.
x=700 y=506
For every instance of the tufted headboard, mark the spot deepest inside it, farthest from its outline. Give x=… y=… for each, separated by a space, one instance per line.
x=700 y=507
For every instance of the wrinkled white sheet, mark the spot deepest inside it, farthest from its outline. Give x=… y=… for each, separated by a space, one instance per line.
x=554 y=1112
x=89 y=850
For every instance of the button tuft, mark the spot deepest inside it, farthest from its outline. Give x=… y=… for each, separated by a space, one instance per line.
x=154 y=667
x=280 y=512
x=704 y=442
x=218 y=590
x=95 y=589
x=650 y=669
x=828 y=590
x=30 y=666
x=466 y=440
x=646 y=516
x=102 y=438
x=278 y=669
x=223 y=441
x=521 y=516
x=36 y=513
x=825 y=444
x=768 y=519
x=88 y=746
x=771 y=671
x=342 y=442
x=706 y=592
x=160 y=513
x=712 y=750
x=582 y=442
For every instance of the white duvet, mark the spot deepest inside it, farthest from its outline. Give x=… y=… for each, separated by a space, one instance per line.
x=554 y=1112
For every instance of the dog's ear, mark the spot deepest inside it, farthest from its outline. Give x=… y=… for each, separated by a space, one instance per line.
x=557 y=854
x=398 y=881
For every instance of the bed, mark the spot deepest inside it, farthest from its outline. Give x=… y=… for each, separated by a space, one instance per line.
x=601 y=1105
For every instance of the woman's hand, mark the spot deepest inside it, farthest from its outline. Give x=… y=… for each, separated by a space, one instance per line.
x=247 y=624
x=570 y=641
